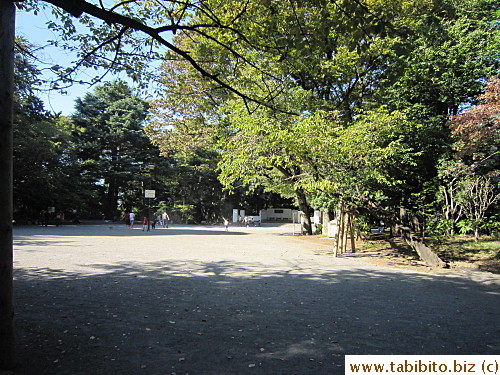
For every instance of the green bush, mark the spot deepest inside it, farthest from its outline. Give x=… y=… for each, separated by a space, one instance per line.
x=439 y=228
x=465 y=226
x=491 y=226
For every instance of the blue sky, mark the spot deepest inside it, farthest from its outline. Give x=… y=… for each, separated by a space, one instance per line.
x=34 y=29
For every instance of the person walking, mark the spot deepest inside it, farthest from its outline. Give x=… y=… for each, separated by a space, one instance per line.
x=145 y=223
x=127 y=220
x=226 y=224
x=132 y=218
x=165 y=219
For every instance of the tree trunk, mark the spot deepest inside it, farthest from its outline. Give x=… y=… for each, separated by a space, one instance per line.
x=7 y=32
x=425 y=252
x=401 y=227
x=110 y=199
x=304 y=207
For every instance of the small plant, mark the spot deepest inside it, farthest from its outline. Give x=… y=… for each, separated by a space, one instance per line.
x=437 y=229
x=465 y=226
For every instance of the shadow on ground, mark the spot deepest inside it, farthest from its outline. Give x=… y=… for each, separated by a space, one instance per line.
x=222 y=318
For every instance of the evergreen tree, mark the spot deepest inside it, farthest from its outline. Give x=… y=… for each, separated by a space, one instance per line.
x=114 y=153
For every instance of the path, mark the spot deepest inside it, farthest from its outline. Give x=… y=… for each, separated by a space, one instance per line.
x=198 y=300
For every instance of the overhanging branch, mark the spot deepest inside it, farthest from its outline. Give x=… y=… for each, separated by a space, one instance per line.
x=78 y=7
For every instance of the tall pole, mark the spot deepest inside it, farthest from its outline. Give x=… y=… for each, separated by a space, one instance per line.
x=7 y=33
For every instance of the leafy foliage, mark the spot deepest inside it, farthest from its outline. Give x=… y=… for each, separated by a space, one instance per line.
x=113 y=150
x=43 y=172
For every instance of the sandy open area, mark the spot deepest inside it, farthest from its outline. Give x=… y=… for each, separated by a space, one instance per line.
x=101 y=299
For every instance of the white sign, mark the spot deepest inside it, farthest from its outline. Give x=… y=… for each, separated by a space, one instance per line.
x=149 y=193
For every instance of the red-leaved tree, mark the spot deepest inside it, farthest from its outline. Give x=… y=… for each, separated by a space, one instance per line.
x=478 y=128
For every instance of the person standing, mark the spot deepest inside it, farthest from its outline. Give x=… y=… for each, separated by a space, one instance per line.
x=145 y=223
x=59 y=219
x=132 y=218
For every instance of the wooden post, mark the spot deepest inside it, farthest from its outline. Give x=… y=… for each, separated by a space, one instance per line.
x=345 y=229
x=337 y=244
x=326 y=222
x=7 y=33
x=351 y=229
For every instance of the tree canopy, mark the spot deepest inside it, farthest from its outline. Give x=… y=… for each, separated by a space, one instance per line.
x=358 y=94
x=379 y=73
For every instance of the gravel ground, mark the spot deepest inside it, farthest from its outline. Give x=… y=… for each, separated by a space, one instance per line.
x=102 y=299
